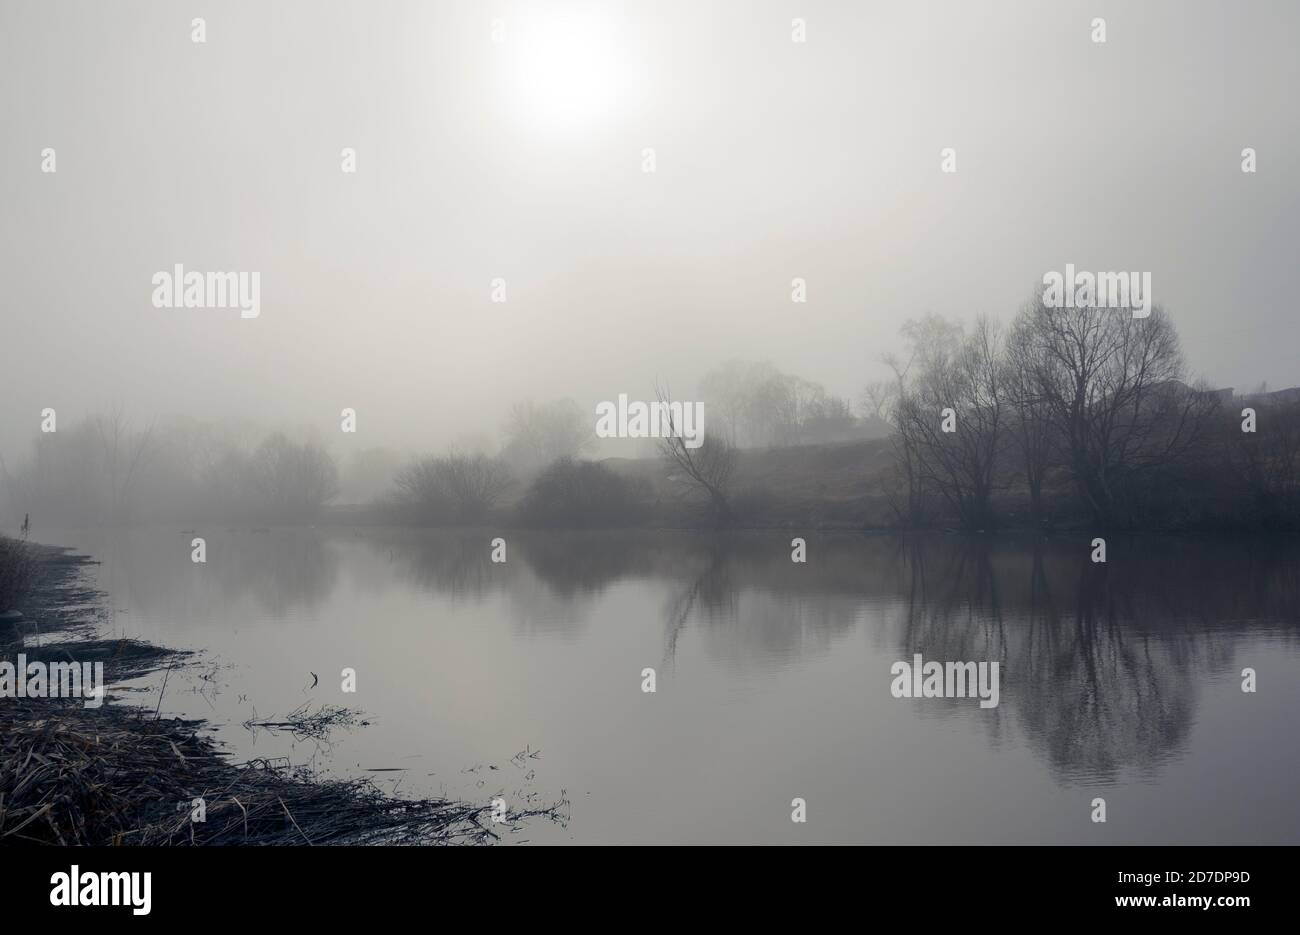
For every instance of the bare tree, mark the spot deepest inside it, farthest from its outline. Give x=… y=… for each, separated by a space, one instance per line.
x=708 y=469
x=540 y=435
x=967 y=379
x=456 y=488
x=926 y=340
x=292 y=481
x=878 y=396
x=1112 y=385
x=1030 y=415
x=726 y=390
x=120 y=453
x=890 y=399
x=755 y=404
x=1267 y=461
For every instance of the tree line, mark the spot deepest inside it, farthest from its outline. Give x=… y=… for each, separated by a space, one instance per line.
x=1064 y=417
x=103 y=470
x=1078 y=416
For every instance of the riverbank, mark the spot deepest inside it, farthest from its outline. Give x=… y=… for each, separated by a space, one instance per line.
x=841 y=486
x=122 y=774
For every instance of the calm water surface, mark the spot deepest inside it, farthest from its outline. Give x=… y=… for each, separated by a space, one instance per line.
x=1121 y=681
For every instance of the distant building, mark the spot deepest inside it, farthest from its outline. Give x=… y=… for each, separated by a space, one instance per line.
x=1223 y=395
x=1291 y=395
x=1273 y=398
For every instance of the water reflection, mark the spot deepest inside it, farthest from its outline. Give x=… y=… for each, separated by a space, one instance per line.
x=259 y=572
x=1104 y=666
x=1102 y=663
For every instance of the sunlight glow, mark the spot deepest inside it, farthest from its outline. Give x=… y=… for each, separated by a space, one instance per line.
x=566 y=71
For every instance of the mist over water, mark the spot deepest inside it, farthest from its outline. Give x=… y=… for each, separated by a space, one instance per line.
x=624 y=393
x=1119 y=681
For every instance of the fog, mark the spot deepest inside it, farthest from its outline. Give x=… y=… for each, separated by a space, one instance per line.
x=522 y=160
x=557 y=421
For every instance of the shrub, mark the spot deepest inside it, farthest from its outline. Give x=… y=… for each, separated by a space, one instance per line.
x=584 y=494
x=452 y=489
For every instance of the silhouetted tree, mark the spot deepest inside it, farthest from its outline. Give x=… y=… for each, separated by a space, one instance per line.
x=963 y=373
x=457 y=488
x=706 y=470
x=1030 y=416
x=583 y=494
x=1112 y=387
x=538 y=435
x=292 y=481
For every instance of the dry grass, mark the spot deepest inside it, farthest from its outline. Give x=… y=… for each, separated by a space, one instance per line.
x=17 y=572
x=115 y=776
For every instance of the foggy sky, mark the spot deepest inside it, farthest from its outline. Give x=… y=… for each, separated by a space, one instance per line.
x=774 y=160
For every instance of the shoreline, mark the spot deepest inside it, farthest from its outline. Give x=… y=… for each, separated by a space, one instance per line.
x=121 y=774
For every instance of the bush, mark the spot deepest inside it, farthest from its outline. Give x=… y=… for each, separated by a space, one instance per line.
x=453 y=489
x=584 y=494
x=290 y=482
x=17 y=572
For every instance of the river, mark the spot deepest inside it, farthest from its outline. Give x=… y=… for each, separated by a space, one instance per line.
x=524 y=679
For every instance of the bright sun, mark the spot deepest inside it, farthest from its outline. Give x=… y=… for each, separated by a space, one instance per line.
x=566 y=72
